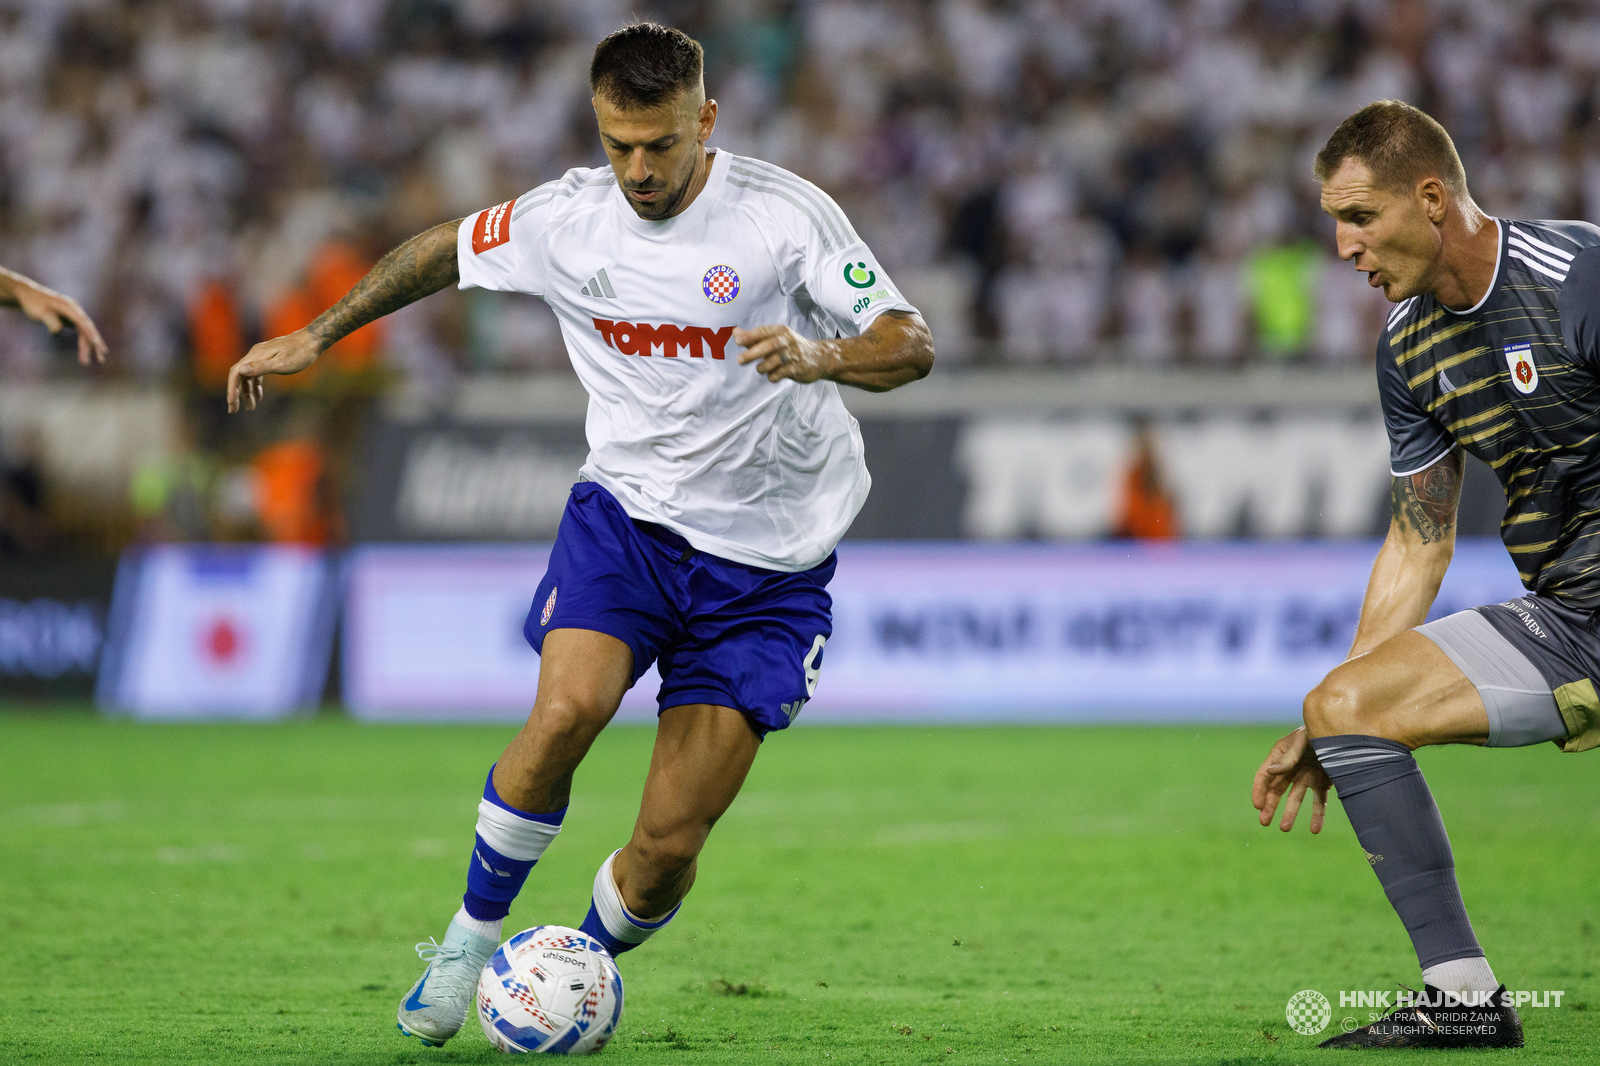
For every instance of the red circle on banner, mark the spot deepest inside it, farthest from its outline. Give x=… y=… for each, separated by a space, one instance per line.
x=221 y=642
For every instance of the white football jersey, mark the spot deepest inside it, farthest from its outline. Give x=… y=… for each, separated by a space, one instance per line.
x=766 y=474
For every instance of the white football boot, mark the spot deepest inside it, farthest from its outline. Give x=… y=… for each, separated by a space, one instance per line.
x=437 y=1005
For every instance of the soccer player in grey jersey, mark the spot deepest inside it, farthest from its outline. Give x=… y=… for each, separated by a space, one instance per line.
x=1494 y=348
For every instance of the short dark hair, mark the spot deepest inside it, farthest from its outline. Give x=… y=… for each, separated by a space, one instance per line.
x=645 y=65
x=1400 y=144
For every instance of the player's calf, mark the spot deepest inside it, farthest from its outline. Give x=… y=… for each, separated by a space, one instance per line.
x=657 y=871
x=611 y=922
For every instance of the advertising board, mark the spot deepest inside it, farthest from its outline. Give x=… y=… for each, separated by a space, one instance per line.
x=218 y=631
x=934 y=632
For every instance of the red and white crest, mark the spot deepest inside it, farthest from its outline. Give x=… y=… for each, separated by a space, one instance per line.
x=1524 y=372
x=549 y=608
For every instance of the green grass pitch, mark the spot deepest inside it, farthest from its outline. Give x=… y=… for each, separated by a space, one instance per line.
x=237 y=893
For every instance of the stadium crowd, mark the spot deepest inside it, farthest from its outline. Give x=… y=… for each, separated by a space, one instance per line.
x=1056 y=180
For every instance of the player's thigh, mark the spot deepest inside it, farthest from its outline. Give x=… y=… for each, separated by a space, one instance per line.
x=1406 y=690
x=702 y=755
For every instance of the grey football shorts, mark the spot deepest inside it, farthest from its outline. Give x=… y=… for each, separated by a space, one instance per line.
x=1533 y=661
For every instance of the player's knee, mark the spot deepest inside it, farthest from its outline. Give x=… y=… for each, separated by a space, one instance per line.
x=1336 y=707
x=568 y=719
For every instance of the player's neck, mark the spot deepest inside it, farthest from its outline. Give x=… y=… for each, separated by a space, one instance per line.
x=1468 y=259
x=697 y=181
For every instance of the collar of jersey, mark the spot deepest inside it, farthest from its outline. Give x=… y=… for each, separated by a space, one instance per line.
x=690 y=215
x=1494 y=282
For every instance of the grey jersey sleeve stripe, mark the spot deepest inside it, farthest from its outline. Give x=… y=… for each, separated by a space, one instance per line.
x=843 y=232
x=827 y=241
x=563 y=182
x=561 y=190
x=530 y=194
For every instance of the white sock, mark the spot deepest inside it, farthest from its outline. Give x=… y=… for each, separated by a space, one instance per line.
x=515 y=835
x=1461 y=975
x=619 y=921
x=478 y=927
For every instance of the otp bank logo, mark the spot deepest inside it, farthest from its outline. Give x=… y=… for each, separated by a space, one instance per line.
x=639 y=338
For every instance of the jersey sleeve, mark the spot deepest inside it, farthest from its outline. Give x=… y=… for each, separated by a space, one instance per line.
x=841 y=277
x=1416 y=441
x=1580 y=309
x=496 y=248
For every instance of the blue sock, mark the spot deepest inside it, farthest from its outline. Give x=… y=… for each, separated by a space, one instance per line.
x=609 y=920
x=509 y=843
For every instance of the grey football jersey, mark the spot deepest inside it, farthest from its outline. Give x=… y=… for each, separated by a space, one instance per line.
x=1516 y=382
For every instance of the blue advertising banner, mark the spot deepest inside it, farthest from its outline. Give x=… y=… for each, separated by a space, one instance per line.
x=218 y=631
x=1123 y=630
x=435 y=631
x=943 y=632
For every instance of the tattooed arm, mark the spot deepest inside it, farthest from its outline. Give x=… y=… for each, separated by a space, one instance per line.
x=1411 y=564
x=419 y=267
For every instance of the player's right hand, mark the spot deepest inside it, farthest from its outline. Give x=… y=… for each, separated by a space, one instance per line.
x=57 y=311
x=1291 y=766
x=288 y=354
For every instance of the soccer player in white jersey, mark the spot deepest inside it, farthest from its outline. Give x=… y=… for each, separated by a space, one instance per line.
x=700 y=535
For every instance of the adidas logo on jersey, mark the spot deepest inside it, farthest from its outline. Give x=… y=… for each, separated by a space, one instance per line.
x=639 y=338
x=600 y=286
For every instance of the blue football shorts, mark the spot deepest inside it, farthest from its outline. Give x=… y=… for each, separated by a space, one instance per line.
x=720 y=632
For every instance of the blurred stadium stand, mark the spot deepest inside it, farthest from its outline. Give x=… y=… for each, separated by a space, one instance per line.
x=1103 y=206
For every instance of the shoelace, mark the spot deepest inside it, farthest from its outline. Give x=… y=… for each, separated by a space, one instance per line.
x=450 y=983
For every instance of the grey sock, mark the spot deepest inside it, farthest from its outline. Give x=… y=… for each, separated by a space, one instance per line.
x=1392 y=812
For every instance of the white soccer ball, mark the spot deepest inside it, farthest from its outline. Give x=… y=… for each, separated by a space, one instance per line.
x=550 y=989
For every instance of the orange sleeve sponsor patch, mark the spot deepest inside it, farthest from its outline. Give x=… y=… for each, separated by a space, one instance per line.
x=492 y=228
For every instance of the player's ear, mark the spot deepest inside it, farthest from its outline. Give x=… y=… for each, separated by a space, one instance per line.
x=1435 y=200
x=708 y=120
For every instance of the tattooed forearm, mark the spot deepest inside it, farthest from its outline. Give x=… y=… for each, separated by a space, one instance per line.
x=1424 y=504
x=419 y=267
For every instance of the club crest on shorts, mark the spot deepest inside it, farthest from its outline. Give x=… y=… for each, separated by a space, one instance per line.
x=1524 y=373
x=549 y=608
x=721 y=284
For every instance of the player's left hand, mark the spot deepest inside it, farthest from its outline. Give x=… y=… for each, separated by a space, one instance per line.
x=1291 y=766
x=56 y=311
x=783 y=353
